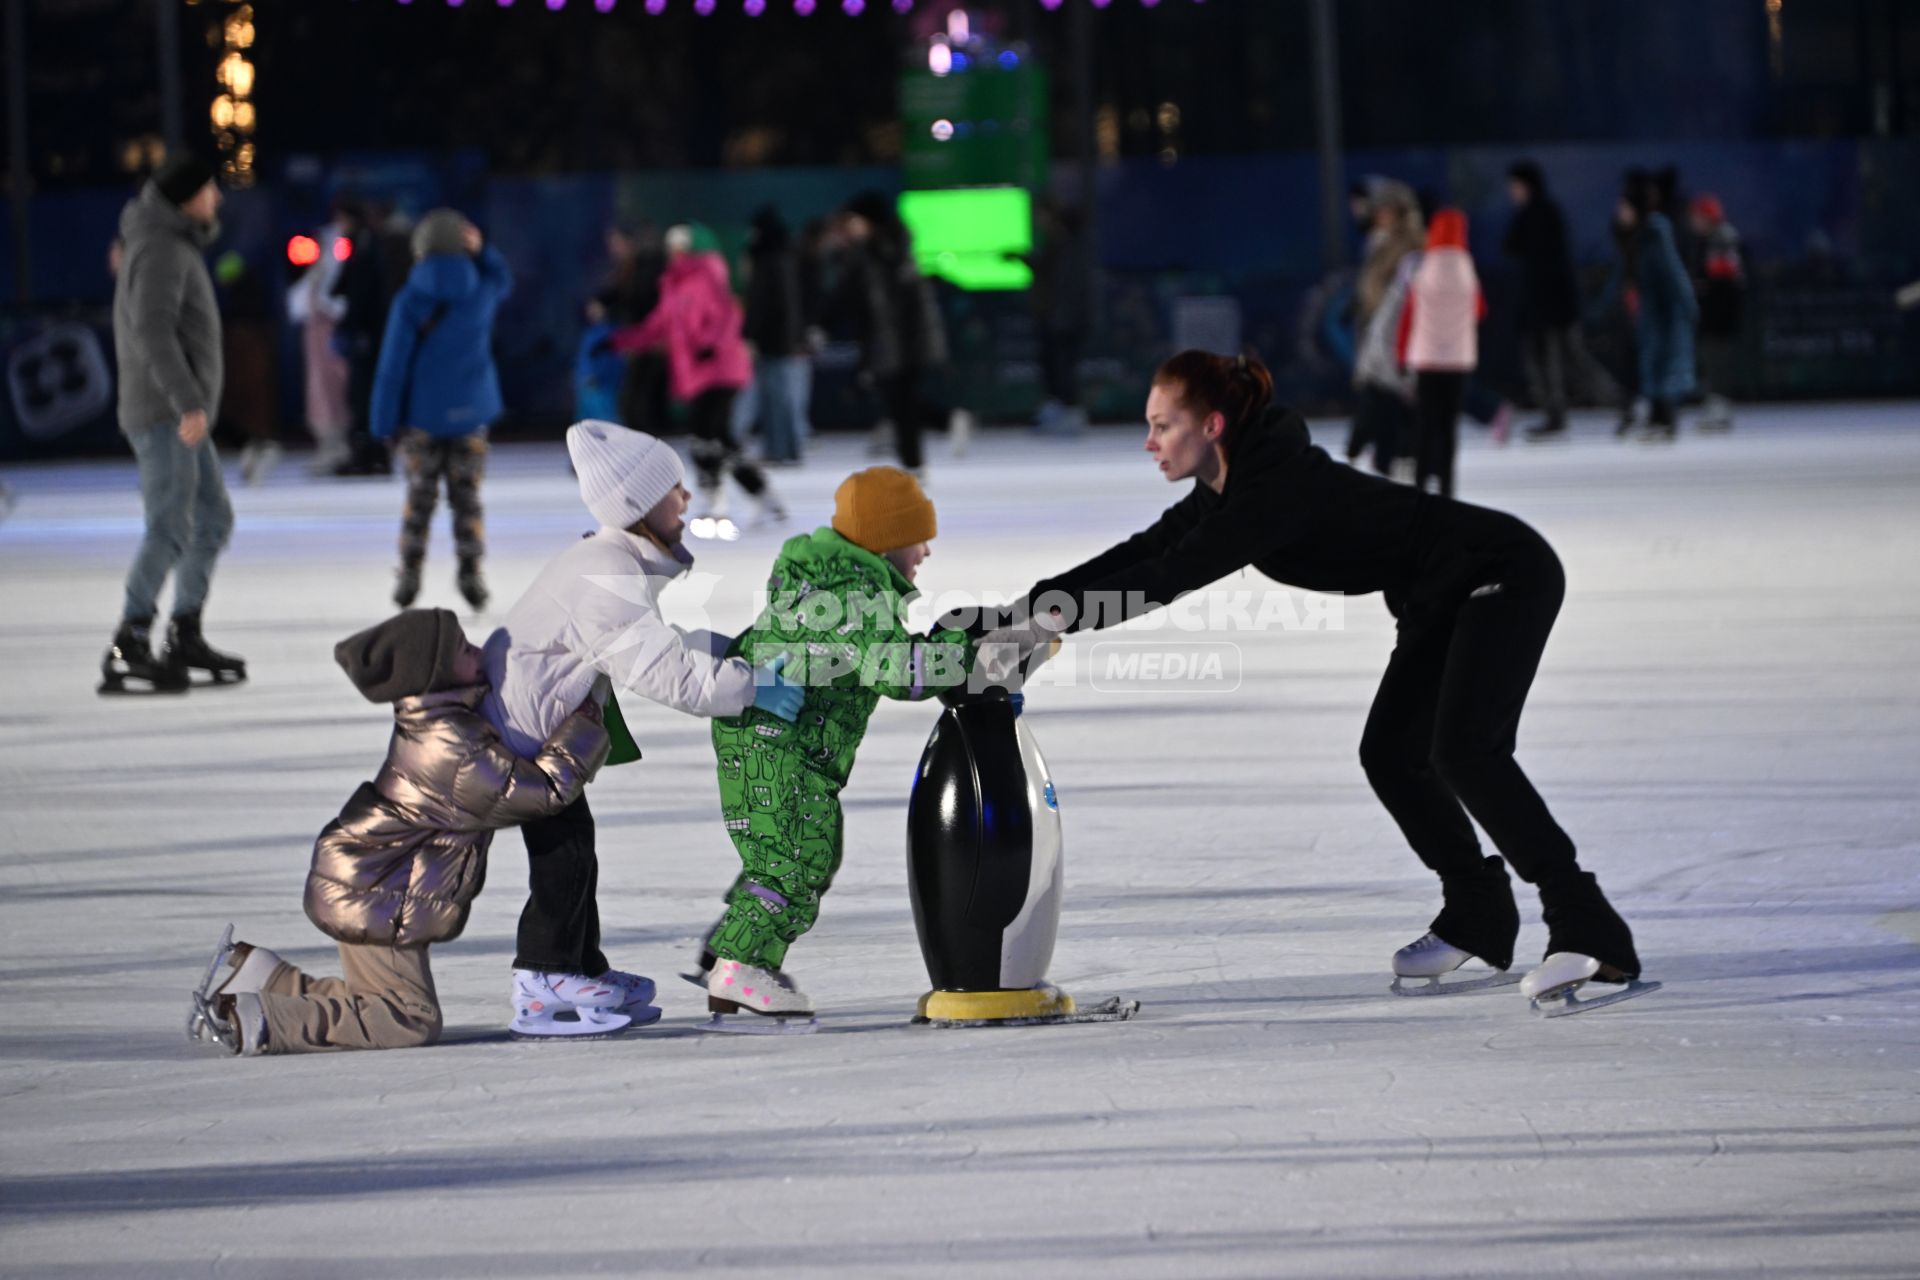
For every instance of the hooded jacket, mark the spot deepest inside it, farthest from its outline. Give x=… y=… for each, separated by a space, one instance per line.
x=594 y=613
x=1440 y=325
x=405 y=859
x=1386 y=247
x=1537 y=240
x=436 y=368
x=1304 y=520
x=1667 y=313
x=838 y=611
x=697 y=324
x=166 y=319
x=775 y=318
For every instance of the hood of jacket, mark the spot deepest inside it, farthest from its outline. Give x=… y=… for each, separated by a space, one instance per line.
x=707 y=268
x=446 y=277
x=151 y=215
x=403 y=862
x=657 y=561
x=811 y=553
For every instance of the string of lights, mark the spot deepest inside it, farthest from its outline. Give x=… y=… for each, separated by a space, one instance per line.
x=755 y=8
x=233 y=114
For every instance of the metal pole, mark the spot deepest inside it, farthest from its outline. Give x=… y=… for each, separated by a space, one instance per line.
x=1080 y=69
x=19 y=171
x=1326 y=128
x=167 y=47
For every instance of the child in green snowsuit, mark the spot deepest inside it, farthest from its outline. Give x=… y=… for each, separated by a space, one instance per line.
x=835 y=612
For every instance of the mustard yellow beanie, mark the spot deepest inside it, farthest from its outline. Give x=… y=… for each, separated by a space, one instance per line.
x=882 y=509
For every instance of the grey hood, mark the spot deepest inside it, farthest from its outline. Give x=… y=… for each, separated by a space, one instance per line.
x=166 y=319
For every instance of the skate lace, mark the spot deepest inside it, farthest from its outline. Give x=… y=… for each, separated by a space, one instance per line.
x=1429 y=942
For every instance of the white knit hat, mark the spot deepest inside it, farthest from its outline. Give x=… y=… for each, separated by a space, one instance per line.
x=623 y=473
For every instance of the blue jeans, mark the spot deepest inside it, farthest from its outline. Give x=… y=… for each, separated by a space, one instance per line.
x=780 y=399
x=188 y=521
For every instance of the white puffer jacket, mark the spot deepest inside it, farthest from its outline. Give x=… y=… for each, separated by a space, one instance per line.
x=594 y=614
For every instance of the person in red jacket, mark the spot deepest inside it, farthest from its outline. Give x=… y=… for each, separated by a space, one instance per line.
x=697 y=324
x=1439 y=341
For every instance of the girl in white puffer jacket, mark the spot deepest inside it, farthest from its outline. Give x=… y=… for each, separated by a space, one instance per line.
x=590 y=626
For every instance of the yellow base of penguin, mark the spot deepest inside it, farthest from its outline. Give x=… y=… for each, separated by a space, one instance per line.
x=1035 y=1006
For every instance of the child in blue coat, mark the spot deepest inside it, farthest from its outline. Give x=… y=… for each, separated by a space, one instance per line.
x=437 y=391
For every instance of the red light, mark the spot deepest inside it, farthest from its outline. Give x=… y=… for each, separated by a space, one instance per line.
x=303 y=251
x=342 y=249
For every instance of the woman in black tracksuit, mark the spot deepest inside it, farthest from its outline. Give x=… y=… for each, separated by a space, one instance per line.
x=1474 y=591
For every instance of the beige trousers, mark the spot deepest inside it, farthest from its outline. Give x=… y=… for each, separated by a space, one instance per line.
x=384 y=1000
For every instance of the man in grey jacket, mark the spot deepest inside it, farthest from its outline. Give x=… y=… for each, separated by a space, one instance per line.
x=166 y=335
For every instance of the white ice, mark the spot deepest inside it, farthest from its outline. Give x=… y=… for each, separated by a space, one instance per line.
x=1727 y=720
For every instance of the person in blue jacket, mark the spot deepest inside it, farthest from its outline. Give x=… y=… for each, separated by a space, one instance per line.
x=1659 y=296
x=436 y=390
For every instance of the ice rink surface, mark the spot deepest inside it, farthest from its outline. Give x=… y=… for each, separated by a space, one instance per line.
x=1727 y=721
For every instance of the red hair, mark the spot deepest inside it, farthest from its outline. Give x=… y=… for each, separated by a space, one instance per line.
x=1238 y=388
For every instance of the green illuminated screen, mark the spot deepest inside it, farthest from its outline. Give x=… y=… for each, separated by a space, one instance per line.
x=965 y=235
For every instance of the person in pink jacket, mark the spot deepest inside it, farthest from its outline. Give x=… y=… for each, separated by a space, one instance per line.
x=697 y=324
x=1440 y=343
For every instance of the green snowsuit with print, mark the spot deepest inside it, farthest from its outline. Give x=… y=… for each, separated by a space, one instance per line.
x=835 y=610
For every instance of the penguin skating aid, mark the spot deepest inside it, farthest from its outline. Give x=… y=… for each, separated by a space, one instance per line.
x=985 y=874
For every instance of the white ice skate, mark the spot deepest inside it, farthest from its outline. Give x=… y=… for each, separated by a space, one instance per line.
x=1432 y=958
x=702 y=968
x=1553 y=988
x=639 y=992
x=753 y=1001
x=253 y=972
x=713 y=521
x=539 y=1000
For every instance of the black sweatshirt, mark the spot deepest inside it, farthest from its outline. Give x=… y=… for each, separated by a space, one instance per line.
x=1307 y=521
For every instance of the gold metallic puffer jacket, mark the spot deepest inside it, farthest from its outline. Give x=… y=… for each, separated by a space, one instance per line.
x=405 y=859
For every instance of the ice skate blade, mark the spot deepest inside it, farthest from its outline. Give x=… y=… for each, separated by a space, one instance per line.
x=761 y=1024
x=1113 y=1009
x=1435 y=987
x=214 y=679
x=1558 y=1004
x=205 y=1029
x=196 y=1007
x=592 y=1024
x=119 y=687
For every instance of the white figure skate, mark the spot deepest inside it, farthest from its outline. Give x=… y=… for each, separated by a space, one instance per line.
x=540 y=1000
x=1553 y=988
x=1431 y=958
x=751 y=1001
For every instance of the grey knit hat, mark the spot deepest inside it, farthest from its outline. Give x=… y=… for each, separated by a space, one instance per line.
x=409 y=654
x=441 y=231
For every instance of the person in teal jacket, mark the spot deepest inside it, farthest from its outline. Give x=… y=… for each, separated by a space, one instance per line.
x=835 y=615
